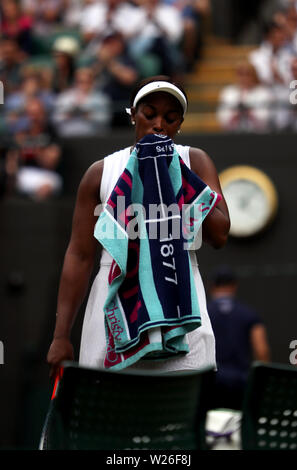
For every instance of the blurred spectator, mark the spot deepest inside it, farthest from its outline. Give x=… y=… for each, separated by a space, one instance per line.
x=240 y=338
x=11 y=61
x=36 y=154
x=64 y=52
x=193 y=14
x=160 y=33
x=46 y=14
x=16 y=25
x=72 y=12
x=99 y=18
x=35 y=131
x=148 y=27
x=82 y=110
x=270 y=57
x=285 y=110
x=246 y=105
x=289 y=19
x=291 y=27
x=275 y=10
x=116 y=74
x=16 y=102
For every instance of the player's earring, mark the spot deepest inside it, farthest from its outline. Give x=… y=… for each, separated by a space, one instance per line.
x=178 y=131
x=133 y=123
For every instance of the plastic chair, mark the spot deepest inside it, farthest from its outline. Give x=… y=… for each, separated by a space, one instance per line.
x=103 y=410
x=269 y=420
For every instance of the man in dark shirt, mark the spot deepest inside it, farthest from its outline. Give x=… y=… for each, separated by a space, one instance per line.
x=240 y=338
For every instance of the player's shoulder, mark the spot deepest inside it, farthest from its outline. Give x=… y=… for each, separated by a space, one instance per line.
x=91 y=180
x=200 y=160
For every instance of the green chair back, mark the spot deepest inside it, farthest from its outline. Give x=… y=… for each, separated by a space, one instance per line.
x=103 y=410
x=269 y=419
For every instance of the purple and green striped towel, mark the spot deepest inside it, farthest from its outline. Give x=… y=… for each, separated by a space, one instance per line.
x=147 y=226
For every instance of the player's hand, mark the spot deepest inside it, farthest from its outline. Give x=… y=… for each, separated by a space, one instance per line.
x=60 y=350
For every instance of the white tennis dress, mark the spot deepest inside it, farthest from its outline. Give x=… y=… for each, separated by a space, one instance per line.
x=93 y=343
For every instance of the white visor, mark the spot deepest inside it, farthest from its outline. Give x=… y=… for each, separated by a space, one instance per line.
x=160 y=86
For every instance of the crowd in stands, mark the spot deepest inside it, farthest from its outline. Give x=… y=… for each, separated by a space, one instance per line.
x=68 y=68
x=263 y=96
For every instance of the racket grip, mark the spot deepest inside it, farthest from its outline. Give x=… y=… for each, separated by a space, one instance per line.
x=57 y=381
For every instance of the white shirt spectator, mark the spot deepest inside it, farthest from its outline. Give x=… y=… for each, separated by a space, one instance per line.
x=158 y=21
x=246 y=105
x=285 y=106
x=161 y=19
x=90 y=118
x=30 y=180
x=266 y=61
x=82 y=111
x=245 y=110
x=133 y=21
x=125 y=19
x=73 y=10
x=272 y=57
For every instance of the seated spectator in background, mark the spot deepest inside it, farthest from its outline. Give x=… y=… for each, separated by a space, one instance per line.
x=290 y=22
x=16 y=25
x=271 y=57
x=42 y=181
x=115 y=74
x=82 y=110
x=160 y=33
x=291 y=27
x=16 y=102
x=193 y=14
x=11 y=61
x=38 y=154
x=284 y=115
x=72 y=12
x=150 y=28
x=46 y=14
x=246 y=105
x=240 y=337
x=99 y=18
x=64 y=52
x=35 y=131
x=287 y=19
